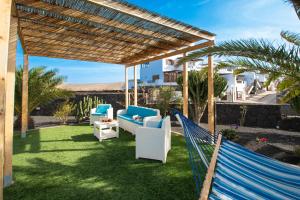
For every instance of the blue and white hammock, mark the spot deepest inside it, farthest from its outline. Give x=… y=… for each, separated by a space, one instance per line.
x=238 y=173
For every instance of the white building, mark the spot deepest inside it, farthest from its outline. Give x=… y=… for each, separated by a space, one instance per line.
x=165 y=72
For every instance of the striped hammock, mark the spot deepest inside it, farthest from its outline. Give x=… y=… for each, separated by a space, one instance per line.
x=238 y=173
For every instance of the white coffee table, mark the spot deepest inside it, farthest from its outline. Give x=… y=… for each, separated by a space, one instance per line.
x=103 y=130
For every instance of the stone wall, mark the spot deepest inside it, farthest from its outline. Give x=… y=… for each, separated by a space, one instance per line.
x=117 y=100
x=257 y=115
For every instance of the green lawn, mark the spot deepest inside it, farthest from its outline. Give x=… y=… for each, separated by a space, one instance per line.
x=69 y=163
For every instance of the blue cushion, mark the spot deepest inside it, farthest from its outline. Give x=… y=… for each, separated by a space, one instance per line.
x=129 y=118
x=141 y=111
x=102 y=108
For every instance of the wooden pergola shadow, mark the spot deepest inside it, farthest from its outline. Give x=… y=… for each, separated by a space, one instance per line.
x=109 y=31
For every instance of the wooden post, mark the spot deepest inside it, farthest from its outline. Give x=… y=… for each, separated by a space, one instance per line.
x=210 y=105
x=185 y=90
x=24 y=126
x=135 y=85
x=210 y=171
x=126 y=86
x=9 y=99
x=5 y=15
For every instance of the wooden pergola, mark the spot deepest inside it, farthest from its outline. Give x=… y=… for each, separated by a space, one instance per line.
x=110 y=31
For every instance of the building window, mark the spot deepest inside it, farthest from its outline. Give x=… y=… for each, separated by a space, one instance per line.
x=155 y=77
x=170 y=77
x=170 y=62
x=145 y=65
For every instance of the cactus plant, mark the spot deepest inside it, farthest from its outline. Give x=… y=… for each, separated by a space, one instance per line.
x=84 y=106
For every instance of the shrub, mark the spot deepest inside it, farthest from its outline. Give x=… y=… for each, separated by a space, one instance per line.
x=198 y=90
x=229 y=134
x=63 y=111
x=167 y=96
x=243 y=111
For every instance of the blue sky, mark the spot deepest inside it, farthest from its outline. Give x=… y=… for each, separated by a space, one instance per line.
x=229 y=19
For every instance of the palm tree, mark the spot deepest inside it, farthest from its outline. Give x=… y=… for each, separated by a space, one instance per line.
x=296 y=4
x=280 y=60
x=198 y=90
x=42 y=89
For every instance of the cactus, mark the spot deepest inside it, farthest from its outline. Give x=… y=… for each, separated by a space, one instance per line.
x=84 y=106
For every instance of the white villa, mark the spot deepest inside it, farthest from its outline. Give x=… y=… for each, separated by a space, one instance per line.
x=165 y=72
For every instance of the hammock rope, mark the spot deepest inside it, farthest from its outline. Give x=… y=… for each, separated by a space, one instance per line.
x=200 y=145
x=239 y=173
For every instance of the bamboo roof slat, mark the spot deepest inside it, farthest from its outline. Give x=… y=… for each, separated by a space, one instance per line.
x=34 y=41
x=111 y=31
x=43 y=15
x=62 y=31
x=113 y=21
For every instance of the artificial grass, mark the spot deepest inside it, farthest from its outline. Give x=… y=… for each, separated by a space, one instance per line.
x=69 y=163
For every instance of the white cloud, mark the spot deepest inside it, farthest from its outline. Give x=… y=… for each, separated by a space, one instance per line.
x=271 y=33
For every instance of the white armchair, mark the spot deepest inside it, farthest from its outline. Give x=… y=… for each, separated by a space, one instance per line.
x=102 y=111
x=153 y=143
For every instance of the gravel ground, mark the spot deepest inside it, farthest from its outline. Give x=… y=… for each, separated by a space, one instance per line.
x=280 y=145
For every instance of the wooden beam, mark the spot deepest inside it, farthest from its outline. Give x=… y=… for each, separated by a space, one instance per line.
x=75 y=52
x=126 y=87
x=5 y=15
x=73 y=57
x=210 y=171
x=210 y=104
x=9 y=99
x=135 y=85
x=24 y=125
x=14 y=13
x=173 y=53
x=158 y=20
x=185 y=89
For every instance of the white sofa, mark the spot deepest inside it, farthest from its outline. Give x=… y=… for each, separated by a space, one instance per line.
x=101 y=111
x=153 y=143
x=126 y=121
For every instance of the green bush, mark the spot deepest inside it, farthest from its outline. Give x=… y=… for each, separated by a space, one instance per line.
x=63 y=111
x=229 y=134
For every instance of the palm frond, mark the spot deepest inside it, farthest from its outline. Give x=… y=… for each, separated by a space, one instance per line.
x=42 y=88
x=296 y=5
x=255 y=49
x=291 y=37
x=247 y=64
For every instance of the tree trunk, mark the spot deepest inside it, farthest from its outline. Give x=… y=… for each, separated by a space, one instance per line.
x=198 y=111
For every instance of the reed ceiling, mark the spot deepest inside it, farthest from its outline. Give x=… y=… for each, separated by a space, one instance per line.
x=110 y=31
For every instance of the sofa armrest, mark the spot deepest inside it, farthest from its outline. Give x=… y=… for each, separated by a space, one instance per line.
x=151 y=123
x=149 y=132
x=110 y=113
x=93 y=110
x=151 y=118
x=122 y=111
x=158 y=112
